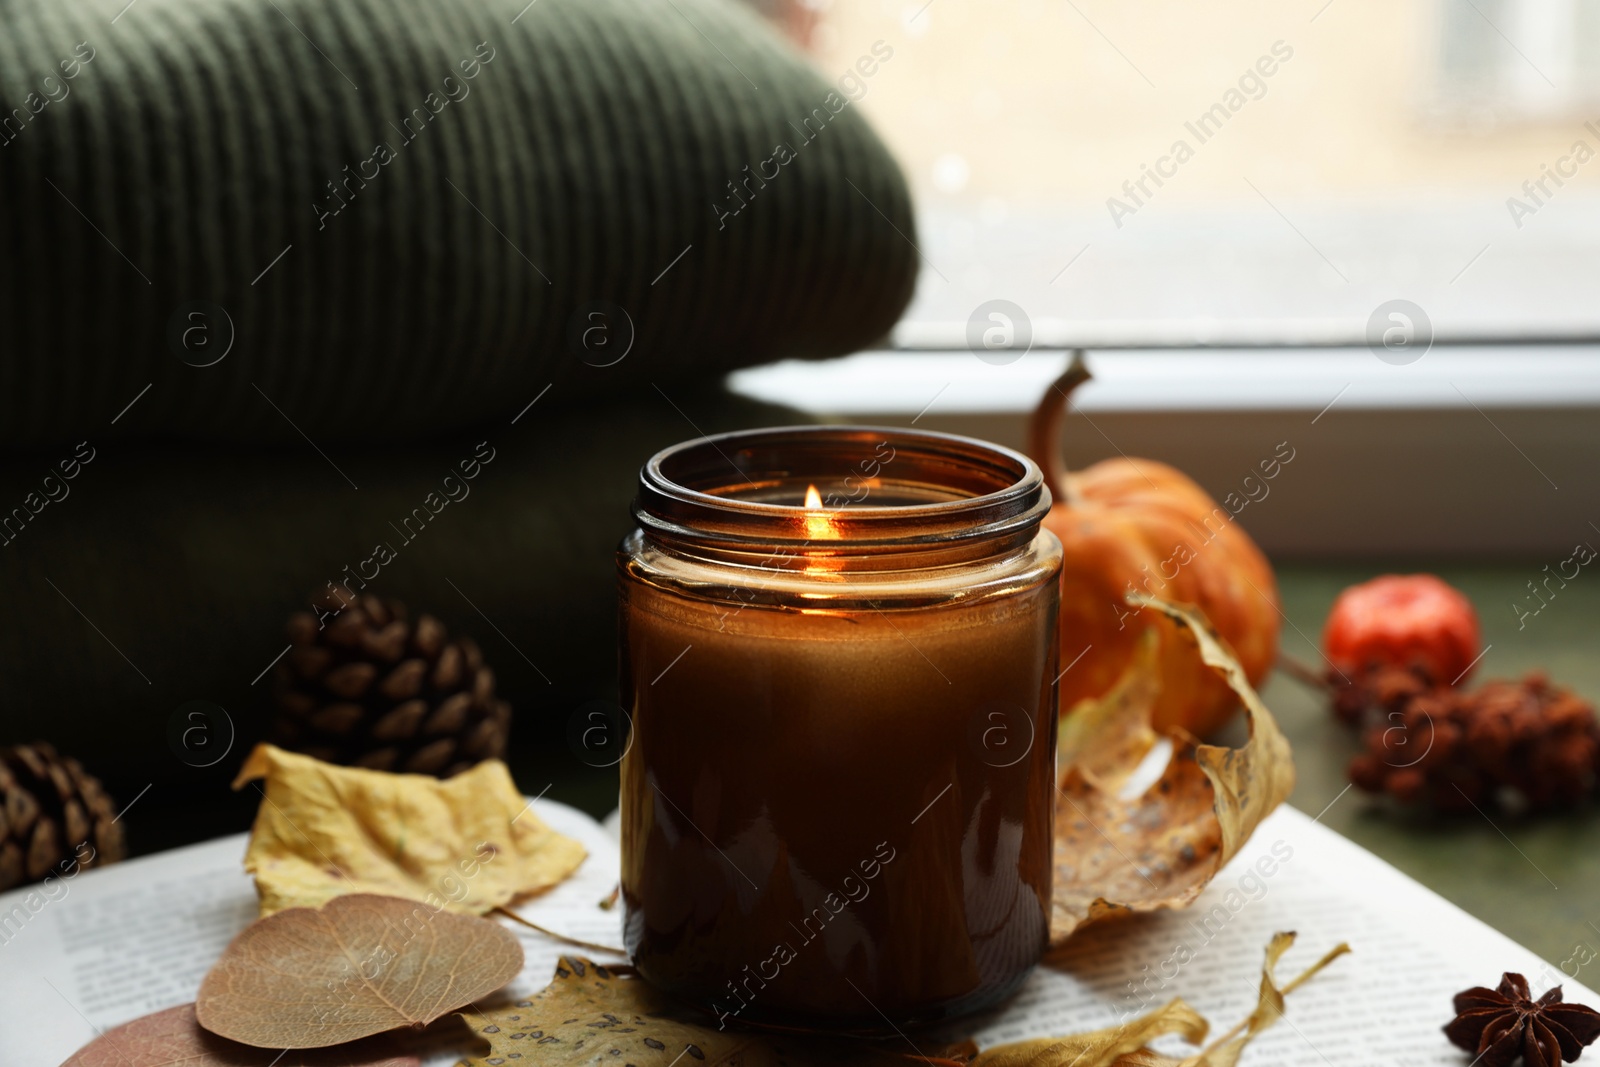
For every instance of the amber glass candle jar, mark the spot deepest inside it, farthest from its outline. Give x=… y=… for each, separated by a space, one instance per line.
x=838 y=656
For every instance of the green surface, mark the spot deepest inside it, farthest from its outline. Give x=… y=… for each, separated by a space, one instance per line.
x=1535 y=878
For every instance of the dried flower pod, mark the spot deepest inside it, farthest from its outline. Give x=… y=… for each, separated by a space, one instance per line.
x=1526 y=743
x=1498 y=1025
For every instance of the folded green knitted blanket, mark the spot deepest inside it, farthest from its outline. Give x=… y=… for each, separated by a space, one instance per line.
x=152 y=576
x=382 y=219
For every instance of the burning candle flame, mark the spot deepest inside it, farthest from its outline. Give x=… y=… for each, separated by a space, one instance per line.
x=819 y=524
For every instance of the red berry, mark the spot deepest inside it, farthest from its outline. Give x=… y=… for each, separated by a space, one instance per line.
x=1404 y=620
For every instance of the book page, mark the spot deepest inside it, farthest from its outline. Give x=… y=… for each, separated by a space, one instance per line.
x=139 y=936
x=1385 y=1002
x=134 y=938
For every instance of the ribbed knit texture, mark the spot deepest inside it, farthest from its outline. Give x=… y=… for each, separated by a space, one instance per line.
x=169 y=572
x=199 y=143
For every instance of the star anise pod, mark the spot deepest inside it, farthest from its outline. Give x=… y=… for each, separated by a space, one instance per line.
x=1497 y=1025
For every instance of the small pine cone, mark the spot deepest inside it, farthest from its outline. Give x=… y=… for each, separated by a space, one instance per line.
x=55 y=817
x=367 y=687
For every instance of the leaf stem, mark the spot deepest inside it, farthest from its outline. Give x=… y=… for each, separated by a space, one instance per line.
x=1305 y=976
x=1310 y=972
x=530 y=924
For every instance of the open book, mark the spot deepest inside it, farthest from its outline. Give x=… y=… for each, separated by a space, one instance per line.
x=138 y=937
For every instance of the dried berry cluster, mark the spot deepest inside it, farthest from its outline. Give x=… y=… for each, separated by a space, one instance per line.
x=1522 y=743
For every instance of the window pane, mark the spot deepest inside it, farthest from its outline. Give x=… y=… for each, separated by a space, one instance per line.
x=1100 y=160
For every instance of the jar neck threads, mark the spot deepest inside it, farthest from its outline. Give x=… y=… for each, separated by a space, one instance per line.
x=886 y=495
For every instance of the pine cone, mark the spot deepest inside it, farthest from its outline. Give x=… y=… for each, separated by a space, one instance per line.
x=54 y=817
x=368 y=688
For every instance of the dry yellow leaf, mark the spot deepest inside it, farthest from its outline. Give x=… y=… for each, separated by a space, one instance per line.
x=1225 y=1050
x=467 y=844
x=1104 y=739
x=1115 y=855
x=1100 y=1048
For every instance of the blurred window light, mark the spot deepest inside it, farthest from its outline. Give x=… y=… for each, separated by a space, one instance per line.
x=1110 y=163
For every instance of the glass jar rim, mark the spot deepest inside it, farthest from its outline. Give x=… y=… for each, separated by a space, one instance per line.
x=719 y=489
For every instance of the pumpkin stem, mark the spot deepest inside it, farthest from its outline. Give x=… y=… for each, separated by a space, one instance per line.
x=1045 y=426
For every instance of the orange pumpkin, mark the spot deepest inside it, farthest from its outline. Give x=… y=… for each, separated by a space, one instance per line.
x=1138 y=525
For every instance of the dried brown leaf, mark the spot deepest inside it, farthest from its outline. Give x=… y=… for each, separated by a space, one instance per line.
x=359 y=965
x=591 y=1013
x=173 y=1037
x=468 y=843
x=1163 y=847
x=1105 y=738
